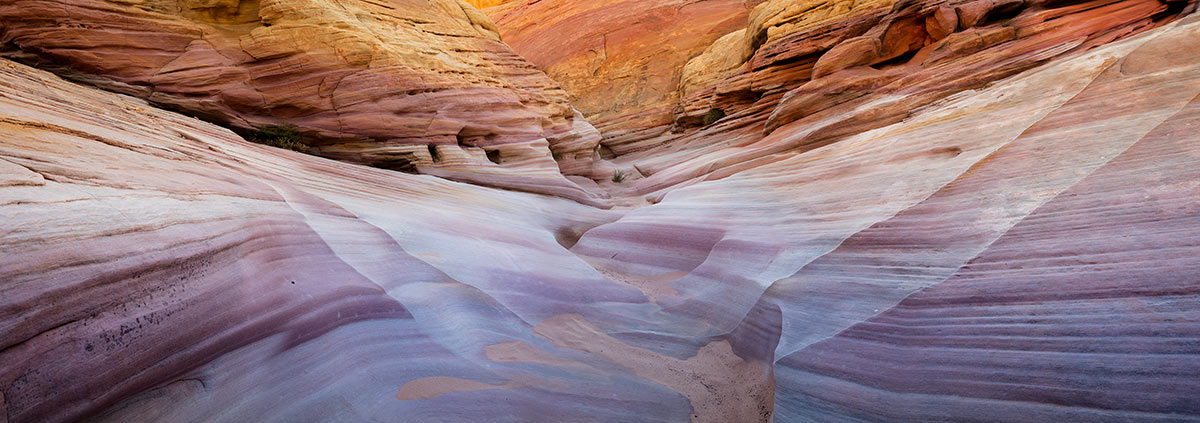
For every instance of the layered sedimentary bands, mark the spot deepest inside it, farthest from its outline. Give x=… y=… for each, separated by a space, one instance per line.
x=852 y=211
x=481 y=4
x=402 y=84
x=620 y=60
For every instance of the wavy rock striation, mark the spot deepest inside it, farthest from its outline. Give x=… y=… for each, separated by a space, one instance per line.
x=817 y=74
x=157 y=268
x=1006 y=234
x=621 y=60
x=482 y=4
x=1000 y=255
x=401 y=84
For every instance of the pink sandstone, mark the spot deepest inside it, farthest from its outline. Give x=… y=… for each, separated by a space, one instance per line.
x=919 y=211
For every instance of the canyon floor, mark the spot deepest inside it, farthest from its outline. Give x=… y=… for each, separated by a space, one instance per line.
x=814 y=211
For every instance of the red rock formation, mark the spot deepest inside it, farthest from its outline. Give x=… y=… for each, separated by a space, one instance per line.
x=1000 y=255
x=401 y=84
x=487 y=3
x=815 y=80
x=996 y=223
x=620 y=60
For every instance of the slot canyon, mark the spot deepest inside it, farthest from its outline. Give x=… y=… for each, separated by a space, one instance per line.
x=711 y=211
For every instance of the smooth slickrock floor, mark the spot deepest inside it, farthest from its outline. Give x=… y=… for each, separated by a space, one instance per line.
x=1024 y=251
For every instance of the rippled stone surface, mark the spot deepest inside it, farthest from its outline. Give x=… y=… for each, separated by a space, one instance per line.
x=1022 y=250
x=620 y=60
x=800 y=76
x=415 y=85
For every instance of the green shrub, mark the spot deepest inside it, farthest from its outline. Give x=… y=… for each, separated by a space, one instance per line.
x=281 y=136
x=618 y=176
x=713 y=116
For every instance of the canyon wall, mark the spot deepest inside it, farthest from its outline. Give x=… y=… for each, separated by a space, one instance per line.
x=799 y=75
x=621 y=60
x=979 y=211
x=1019 y=252
x=481 y=4
x=416 y=85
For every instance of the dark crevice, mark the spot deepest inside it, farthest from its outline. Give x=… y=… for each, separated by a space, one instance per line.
x=900 y=60
x=494 y=156
x=1001 y=14
x=461 y=138
x=402 y=162
x=1174 y=9
x=713 y=116
x=433 y=153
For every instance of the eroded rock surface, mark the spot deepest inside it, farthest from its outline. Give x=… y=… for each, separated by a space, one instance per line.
x=482 y=4
x=815 y=73
x=957 y=259
x=621 y=60
x=1019 y=245
x=401 y=84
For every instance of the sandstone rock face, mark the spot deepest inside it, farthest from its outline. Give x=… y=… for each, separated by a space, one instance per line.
x=481 y=4
x=621 y=60
x=403 y=84
x=721 y=60
x=816 y=73
x=157 y=268
x=1000 y=255
x=1000 y=225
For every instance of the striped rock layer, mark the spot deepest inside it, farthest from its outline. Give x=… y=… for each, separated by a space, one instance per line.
x=414 y=85
x=1010 y=234
x=801 y=75
x=620 y=60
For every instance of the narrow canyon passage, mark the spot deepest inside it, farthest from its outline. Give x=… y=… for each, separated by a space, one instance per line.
x=615 y=211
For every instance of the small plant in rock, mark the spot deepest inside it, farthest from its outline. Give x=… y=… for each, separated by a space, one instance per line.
x=618 y=176
x=713 y=116
x=604 y=152
x=281 y=136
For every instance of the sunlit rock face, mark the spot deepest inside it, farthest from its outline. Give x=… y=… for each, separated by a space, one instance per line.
x=1011 y=253
x=481 y=4
x=982 y=229
x=803 y=75
x=621 y=60
x=420 y=85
